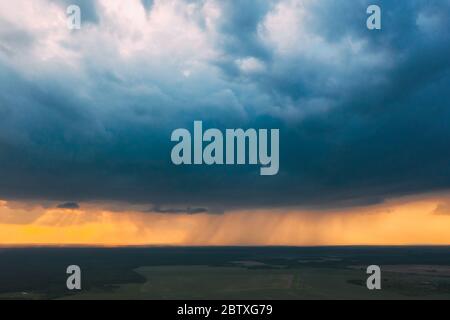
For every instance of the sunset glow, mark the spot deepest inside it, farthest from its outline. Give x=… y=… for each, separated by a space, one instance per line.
x=401 y=222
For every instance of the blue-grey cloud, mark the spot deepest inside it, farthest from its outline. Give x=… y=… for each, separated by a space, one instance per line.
x=69 y=205
x=362 y=114
x=148 y=4
x=189 y=210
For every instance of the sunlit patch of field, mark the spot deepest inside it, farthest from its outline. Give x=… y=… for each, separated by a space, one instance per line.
x=203 y=282
x=437 y=271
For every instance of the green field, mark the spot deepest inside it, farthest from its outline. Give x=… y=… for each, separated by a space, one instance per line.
x=227 y=273
x=203 y=282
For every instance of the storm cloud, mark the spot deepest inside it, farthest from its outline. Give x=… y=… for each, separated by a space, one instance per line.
x=158 y=209
x=69 y=205
x=87 y=114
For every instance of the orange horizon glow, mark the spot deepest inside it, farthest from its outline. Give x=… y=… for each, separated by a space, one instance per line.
x=411 y=221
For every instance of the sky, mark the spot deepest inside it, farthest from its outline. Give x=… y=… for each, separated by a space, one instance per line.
x=86 y=117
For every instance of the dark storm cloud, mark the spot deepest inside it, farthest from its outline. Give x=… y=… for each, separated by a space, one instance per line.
x=238 y=26
x=363 y=115
x=189 y=210
x=69 y=205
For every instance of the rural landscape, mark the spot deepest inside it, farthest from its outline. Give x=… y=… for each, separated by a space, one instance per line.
x=276 y=273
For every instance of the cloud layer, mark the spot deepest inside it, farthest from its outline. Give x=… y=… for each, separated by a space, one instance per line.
x=87 y=114
x=410 y=222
